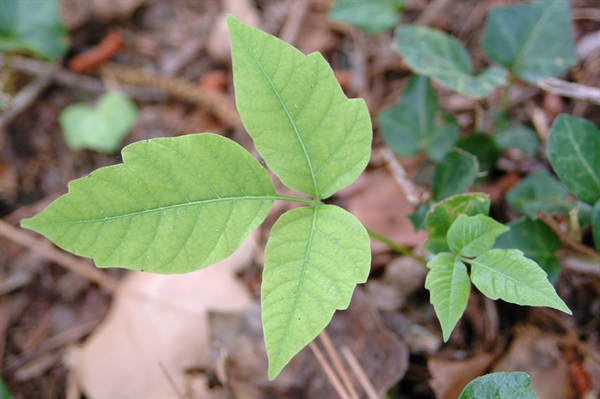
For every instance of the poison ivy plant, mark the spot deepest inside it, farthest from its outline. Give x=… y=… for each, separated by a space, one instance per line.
x=435 y=54
x=596 y=225
x=180 y=204
x=515 y=385
x=417 y=124
x=101 y=128
x=33 y=27
x=484 y=148
x=532 y=40
x=454 y=174
x=372 y=16
x=498 y=273
x=573 y=147
x=517 y=136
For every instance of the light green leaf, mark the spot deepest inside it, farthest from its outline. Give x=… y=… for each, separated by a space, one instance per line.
x=435 y=54
x=417 y=124
x=313 y=261
x=34 y=27
x=441 y=216
x=449 y=286
x=454 y=174
x=516 y=385
x=508 y=275
x=517 y=136
x=372 y=16
x=532 y=40
x=473 y=235
x=101 y=128
x=573 y=147
x=309 y=133
x=539 y=191
x=537 y=241
x=175 y=205
x=596 y=225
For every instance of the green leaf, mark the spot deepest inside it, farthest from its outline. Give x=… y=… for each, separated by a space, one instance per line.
x=449 y=286
x=4 y=391
x=473 y=235
x=313 y=260
x=419 y=216
x=372 y=16
x=517 y=136
x=539 y=191
x=175 y=205
x=435 y=54
x=315 y=139
x=454 y=174
x=516 y=385
x=596 y=225
x=441 y=216
x=417 y=124
x=484 y=148
x=508 y=275
x=573 y=147
x=532 y=40
x=537 y=241
x=102 y=128
x=33 y=27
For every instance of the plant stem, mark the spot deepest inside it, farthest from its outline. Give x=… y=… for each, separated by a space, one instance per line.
x=505 y=104
x=306 y=201
x=397 y=248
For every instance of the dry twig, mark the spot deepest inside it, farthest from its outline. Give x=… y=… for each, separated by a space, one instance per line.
x=337 y=385
x=569 y=89
x=337 y=363
x=564 y=237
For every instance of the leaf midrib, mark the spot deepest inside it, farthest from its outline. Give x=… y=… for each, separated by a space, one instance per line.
x=292 y=122
x=166 y=208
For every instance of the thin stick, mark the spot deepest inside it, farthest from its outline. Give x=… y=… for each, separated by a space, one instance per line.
x=564 y=237
x=337 y=385
x=25 y=98
x=410 y=190
x=571 y=90
x=359 y=373
x=50 y=252
x=337 y=363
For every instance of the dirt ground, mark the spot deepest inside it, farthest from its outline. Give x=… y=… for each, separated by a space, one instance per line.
x=61 y=318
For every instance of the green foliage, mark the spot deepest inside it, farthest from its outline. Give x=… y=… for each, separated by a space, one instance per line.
x=517 y=136
x=497 y=273
x=314 y=258
x=33 y=27
x=536 y=240
x=4 y=391
x=573 y=147
x=372 y=16
x=441 y=216
x=454 y=174
x=315 y=139
x=532 y=40
x=102 y=128
x=539 y=191
x=516 y=385
x=484 y=148
x=417 y=124
x=596 y=225
x=435 y=54
x=175 y=205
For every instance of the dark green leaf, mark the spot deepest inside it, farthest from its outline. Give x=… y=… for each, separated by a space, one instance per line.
x=596 y=225
x=449 y=286
x=418 y=217
x=515 y=385
x=506 y=274
x=573 y=147
x=175 y=205
x=471 y=236
x=441 y=216
x=435 y=54
x=34 y=27
x=484 y=148
x=532 y=40
x=454 y=174
x=537 y=241
x=539 y=191
x=416 y=124
x=517 y=136
x=372 y=16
